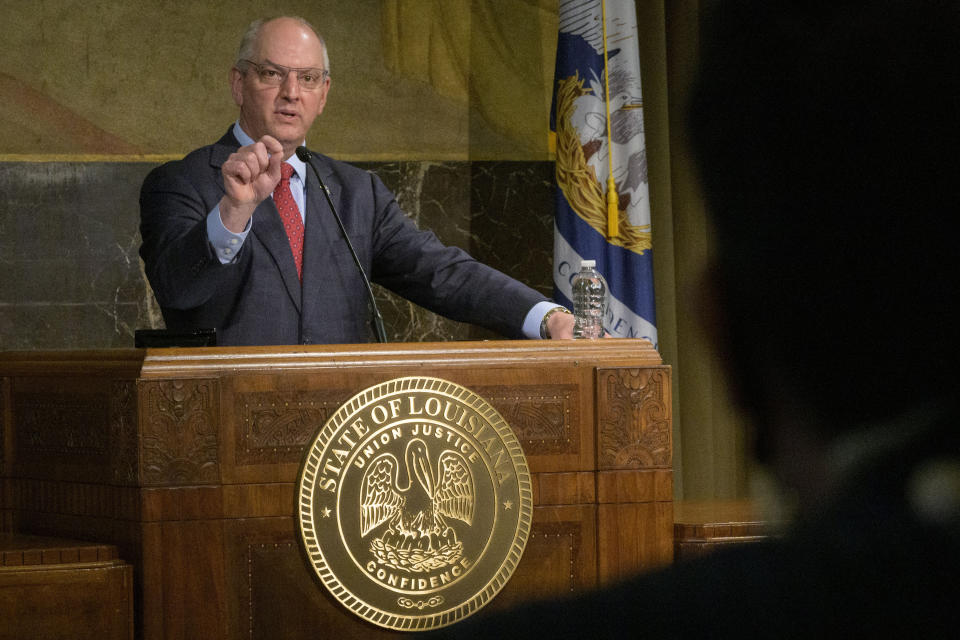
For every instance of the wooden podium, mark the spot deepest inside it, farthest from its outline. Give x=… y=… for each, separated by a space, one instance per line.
x=186 y=460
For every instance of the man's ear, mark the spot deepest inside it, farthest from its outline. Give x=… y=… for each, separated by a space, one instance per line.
x=236 y=86
x=324 y=90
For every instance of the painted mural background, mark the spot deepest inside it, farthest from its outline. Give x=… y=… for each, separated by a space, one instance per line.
x=428 y=79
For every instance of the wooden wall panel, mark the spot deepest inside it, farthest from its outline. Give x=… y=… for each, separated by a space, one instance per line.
x=276 y=594
x=151 y=614
x=54 y=588
x=61 y=433
x=560 y=558
x=551 y=414
x=268 y=421
x=634 y=477
x=194 y=585
x=576 y=487
x=631 y=538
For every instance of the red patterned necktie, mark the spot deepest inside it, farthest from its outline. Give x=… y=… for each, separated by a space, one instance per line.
x=290 y=215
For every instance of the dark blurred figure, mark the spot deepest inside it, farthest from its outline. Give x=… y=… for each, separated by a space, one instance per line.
x=827 y=139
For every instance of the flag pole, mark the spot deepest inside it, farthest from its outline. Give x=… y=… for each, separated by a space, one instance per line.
x=613 y=200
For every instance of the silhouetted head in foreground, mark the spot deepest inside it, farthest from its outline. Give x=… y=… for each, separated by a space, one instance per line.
x=828 y=140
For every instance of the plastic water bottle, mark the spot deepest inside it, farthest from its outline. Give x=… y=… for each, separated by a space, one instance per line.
x=589 y=301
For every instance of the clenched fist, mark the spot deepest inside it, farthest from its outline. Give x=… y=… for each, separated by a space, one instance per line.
x=249 y=176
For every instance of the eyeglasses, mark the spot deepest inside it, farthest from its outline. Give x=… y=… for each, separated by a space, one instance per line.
x=275 y=75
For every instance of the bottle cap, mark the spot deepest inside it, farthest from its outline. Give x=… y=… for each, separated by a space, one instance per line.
x=588 y=263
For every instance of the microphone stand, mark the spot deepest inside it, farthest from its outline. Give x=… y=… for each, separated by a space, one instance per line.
x=377 y=320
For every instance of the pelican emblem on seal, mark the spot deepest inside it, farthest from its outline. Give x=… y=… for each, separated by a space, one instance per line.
x=418 y=536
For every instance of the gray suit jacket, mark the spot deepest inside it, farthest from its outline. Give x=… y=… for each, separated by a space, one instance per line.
x=258 y=300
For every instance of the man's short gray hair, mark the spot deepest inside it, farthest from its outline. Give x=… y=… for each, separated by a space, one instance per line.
x=249 y=41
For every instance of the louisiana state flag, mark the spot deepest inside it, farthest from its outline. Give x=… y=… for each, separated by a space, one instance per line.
x=597 y=128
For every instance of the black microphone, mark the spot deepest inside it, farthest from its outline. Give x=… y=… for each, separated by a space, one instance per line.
x=377 y=320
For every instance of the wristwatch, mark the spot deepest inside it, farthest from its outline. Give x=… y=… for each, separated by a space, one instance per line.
x=544 y=332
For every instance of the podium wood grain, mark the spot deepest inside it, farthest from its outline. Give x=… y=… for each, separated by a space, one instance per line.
x=51 y=588
x=186 y=461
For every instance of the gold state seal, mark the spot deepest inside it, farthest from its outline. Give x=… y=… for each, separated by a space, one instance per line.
x=414 y=503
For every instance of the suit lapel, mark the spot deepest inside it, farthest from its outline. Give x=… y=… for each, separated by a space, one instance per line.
x=267 y=226
x=219 y=154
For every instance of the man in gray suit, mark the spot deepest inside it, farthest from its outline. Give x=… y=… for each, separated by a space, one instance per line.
x=238 y=235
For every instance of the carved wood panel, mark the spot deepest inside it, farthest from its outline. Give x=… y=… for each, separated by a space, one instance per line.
x=276 y=426
x=544 y=417
x=62 y=427
x=123 y=431
x=633 y=418
x=180 y=440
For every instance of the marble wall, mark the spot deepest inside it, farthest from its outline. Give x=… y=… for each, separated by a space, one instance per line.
x=71 y=277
